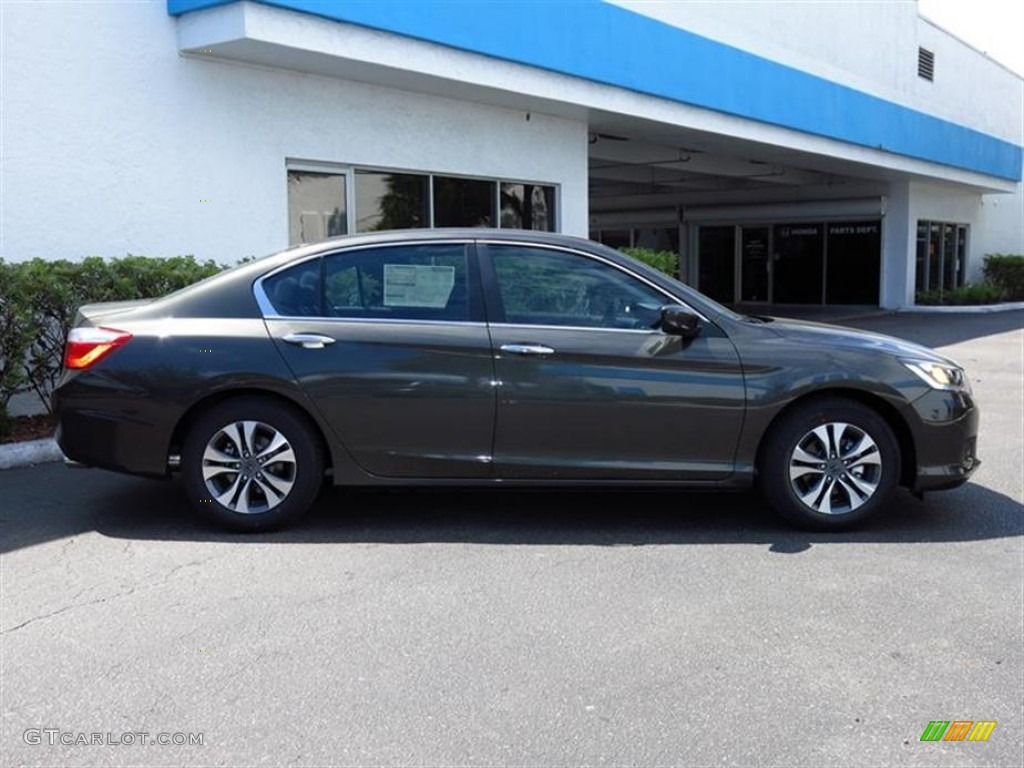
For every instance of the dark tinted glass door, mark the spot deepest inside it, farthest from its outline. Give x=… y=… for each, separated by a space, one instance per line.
x=755 y=265
x=854 y=262
x=716 y=252
x=588 y=390
x=798 y=263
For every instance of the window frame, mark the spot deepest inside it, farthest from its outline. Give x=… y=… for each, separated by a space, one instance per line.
x=349 y=171
x=934 y=280
x=331 y=169
x=477 y=308
x=496 y=309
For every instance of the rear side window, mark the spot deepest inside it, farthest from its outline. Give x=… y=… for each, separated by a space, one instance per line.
x=296 y=292
x=401 y=282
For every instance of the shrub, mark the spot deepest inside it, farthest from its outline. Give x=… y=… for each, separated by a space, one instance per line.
x=974 y=293
x=15 y=338
x=49 y=293
x=1006 y=271
x=663 y=261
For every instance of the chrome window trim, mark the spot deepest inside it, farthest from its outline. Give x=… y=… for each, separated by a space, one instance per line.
x=644 y=331
x=587 y=255
x=374 y=320
x=268 y=311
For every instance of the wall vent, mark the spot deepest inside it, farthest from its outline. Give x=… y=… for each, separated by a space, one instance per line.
x=925 y=64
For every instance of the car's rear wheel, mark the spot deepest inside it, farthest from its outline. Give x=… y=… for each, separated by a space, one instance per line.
x=829 y=464
x=252 y=464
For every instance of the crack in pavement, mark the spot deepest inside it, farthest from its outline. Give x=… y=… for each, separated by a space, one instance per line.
x=117 y=595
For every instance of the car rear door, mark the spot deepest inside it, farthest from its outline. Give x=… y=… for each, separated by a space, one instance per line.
x=390 y=343
x=588 y=389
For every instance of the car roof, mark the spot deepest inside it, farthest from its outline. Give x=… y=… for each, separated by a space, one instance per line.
x=441 y=233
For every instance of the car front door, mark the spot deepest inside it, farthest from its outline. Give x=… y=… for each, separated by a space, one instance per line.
x=588 y=388
x=390 y=344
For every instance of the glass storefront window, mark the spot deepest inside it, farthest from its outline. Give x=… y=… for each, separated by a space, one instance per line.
x=921 y=281
x=949 y=256
x=463 y=202
x=527 y=206
x=934 y=255
x=316 y=206
x=386 y=200
x=941 y=256
x=391 y=201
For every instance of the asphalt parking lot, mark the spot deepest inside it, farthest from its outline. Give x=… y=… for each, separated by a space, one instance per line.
x=497 y=628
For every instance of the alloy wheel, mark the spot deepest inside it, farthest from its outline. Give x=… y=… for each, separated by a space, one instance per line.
x=835 y=468
x=249 y=467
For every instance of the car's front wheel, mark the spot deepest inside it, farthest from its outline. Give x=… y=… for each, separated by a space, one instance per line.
x=252 y=464
x=829 y=464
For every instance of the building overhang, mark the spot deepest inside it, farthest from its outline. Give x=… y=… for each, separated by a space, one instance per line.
x=599 y=63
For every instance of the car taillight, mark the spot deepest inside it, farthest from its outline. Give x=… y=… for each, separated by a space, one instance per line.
x=87 y=346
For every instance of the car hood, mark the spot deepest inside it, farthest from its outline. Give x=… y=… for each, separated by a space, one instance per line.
x=824 y=335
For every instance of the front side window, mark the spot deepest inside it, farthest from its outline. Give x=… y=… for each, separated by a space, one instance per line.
x=405 y=282
x=538 y=286
x=316 y=206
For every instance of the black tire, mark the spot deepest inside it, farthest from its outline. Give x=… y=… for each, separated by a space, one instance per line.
x=303 y=468
x=841 y=501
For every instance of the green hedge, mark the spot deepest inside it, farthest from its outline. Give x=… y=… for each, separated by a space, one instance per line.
x=973 y=293
x=38 y=300
x=663 y=261
x=1007 y=272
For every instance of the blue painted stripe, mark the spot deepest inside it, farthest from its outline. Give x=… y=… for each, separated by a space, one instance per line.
x=607 y=44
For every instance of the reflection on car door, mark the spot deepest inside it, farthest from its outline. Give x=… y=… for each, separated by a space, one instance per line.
x=587 y=389
x=389 y=342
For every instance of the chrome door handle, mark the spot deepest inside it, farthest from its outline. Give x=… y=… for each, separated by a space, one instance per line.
x=309 y=340
x=527 y=349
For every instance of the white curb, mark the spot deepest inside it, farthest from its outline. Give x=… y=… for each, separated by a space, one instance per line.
x=28 y=453
x=971 y=309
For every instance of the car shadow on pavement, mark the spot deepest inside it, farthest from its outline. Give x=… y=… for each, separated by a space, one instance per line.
x=134 y=509
x=941 y=330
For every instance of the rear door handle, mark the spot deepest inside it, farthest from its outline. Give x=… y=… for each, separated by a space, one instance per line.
x=527 y=349
x=309 y=340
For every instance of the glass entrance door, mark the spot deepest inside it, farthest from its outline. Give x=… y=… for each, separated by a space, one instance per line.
x=755 y=265
x=798 y=264
x=716 y=248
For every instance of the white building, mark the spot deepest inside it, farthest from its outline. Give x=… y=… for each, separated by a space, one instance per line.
x=791 y=152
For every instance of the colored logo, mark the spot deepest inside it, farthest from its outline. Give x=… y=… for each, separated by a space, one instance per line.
x=958 y=730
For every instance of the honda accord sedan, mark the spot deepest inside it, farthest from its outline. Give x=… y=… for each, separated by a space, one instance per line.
x=484 y=357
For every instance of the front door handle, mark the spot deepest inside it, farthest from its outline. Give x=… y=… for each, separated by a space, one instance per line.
x=527 y=349
x=309 y=340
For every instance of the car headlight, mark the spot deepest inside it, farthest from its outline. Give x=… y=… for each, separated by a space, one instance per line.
x=939 y=375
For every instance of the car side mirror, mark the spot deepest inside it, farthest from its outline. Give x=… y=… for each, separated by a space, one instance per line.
x=678 y=322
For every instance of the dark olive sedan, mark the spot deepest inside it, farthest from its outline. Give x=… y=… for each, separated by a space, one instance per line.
x=498 y=357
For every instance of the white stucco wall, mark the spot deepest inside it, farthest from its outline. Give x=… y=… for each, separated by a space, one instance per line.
x=112 y=139
x=870 y=45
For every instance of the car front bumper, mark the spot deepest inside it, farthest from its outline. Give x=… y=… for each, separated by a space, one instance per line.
x=946 y=439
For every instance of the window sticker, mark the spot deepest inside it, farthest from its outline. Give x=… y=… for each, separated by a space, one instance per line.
x=416 y=285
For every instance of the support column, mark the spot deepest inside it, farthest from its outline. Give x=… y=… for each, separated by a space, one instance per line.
x=898 y=244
